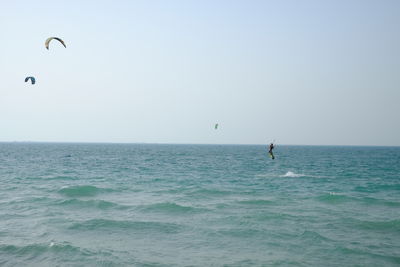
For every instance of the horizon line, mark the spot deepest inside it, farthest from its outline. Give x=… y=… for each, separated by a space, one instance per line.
x=172 y=143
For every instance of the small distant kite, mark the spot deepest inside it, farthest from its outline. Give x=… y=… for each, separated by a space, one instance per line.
x=56 y=38
x=33 y=80
x=216 y=126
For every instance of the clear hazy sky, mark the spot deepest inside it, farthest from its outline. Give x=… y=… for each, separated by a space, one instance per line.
x=300 y=72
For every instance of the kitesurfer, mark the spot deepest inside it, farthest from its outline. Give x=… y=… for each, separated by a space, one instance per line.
x=271 y=147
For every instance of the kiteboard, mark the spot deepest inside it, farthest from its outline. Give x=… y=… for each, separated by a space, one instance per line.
x=271 y=155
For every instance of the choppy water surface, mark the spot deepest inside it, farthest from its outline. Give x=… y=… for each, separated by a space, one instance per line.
x=198 y=205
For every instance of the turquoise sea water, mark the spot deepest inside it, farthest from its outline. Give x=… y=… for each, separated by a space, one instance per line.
x=198 y=205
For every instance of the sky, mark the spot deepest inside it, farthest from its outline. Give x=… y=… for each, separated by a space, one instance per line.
x=304 y=72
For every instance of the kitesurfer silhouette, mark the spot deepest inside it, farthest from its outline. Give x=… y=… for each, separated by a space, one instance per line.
x=271 y=147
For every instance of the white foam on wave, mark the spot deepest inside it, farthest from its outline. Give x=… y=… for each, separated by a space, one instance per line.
x=287 y=174
x=292 y=174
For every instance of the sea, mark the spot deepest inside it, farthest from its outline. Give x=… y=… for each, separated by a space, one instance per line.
x=86 y=204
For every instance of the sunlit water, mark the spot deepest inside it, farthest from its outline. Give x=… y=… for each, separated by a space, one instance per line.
x=198 y=205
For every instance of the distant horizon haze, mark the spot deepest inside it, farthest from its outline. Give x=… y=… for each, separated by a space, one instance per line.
x=206 y=144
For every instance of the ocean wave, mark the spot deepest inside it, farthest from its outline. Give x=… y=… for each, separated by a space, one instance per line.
x=60 y=177
x=54 y=254
x=34 y=250
x=102 y=224
x=169 y=207
x=288 y=174
x=386 y=226
x=334 y=198
x=82 y=191
x=314 y=236
x=243 y=233
x=99 y=204
x=28 y=200
x=256 y=202
x=278 y=216
x=50 y=177
x=337 y=198
x=292 y=174
x=210 y=192
x=377 y=188
x=383 y=202
x=363 y=254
